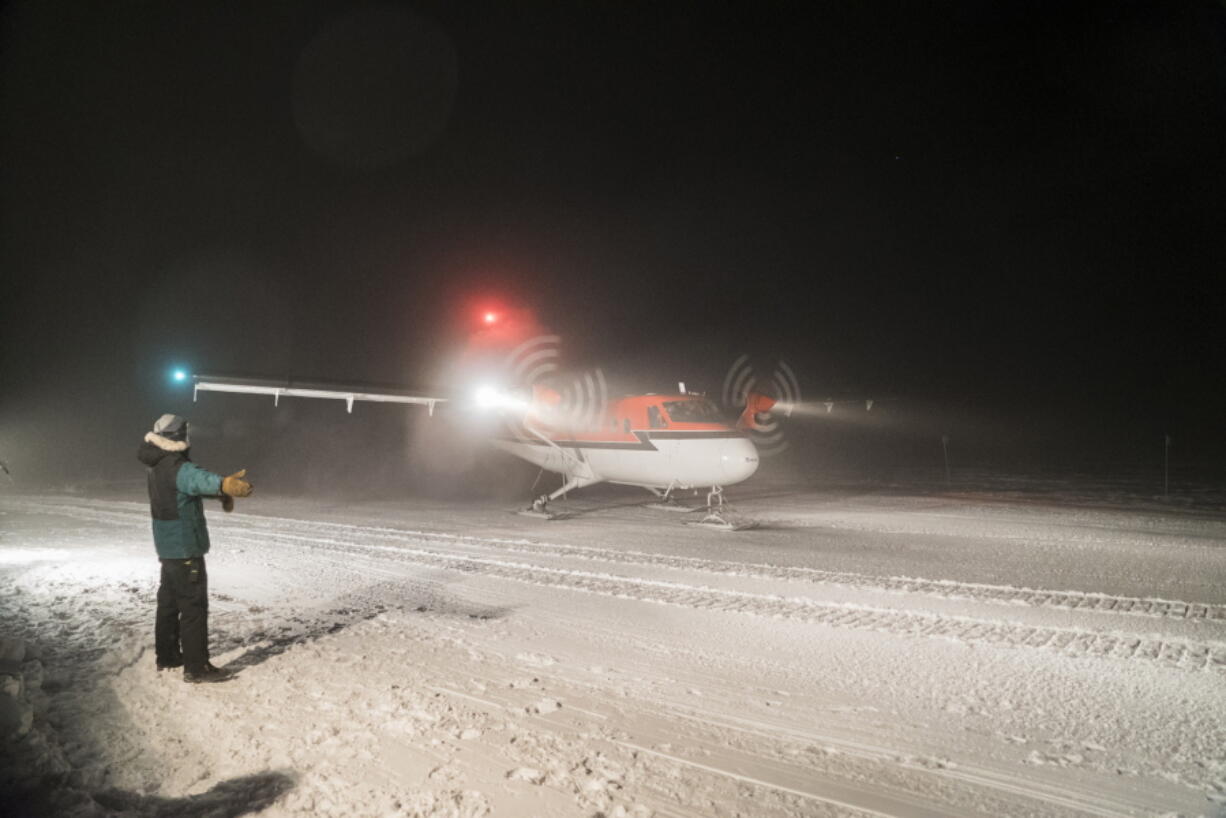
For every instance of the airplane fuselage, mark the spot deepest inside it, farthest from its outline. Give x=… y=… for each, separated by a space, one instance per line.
x=654 y=441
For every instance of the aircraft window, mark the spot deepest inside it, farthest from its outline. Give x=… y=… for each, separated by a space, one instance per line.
x=654 y=419
x=626 y=425
x=694 y=410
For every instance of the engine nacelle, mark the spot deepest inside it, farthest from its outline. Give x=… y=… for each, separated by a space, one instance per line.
x=755 y=404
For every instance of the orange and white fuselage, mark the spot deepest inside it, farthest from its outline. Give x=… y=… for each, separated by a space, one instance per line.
x=654 y=441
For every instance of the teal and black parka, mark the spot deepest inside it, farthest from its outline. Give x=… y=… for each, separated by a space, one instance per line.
x=176 y=486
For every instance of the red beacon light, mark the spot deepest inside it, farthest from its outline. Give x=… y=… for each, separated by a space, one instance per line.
x=490 y=318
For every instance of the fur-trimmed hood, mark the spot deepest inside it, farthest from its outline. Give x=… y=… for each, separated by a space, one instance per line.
x=155 y=447
x=166 y=444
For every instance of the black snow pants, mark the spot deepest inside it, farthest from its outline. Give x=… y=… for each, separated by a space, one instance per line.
x=181 y=633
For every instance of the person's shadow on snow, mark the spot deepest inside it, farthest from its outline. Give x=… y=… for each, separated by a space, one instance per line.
x=238 y=796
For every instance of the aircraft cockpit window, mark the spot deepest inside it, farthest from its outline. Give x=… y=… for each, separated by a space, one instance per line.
x=626 y=425
x=654 y=419
x=693 y=410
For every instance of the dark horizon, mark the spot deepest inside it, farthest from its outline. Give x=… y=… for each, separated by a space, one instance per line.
x=1006 y=216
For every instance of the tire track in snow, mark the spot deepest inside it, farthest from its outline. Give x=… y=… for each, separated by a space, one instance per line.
x=940 y=588
x=945 y=589
x=1184 y=654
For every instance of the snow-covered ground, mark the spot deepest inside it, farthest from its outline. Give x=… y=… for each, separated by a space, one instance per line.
x=862 y=653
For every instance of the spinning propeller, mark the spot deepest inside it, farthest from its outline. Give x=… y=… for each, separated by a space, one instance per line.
x=781 y=384
x=576 y=400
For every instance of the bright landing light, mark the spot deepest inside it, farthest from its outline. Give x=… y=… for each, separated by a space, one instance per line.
x=491 y=397
x=179 y=375
x=487 y=396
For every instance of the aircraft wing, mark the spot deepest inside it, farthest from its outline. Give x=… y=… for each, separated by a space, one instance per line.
x=299 y=389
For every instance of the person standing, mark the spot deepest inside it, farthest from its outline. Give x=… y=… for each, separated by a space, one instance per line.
x=181 y=537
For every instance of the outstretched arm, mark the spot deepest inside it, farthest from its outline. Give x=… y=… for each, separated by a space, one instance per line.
x=197 y=482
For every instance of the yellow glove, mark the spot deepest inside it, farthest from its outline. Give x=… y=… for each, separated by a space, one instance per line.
x=235 y=485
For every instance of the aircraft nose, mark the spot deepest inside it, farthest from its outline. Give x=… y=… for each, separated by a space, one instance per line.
x=738 y=460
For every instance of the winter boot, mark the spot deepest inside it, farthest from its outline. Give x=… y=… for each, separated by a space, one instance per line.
x=208 y=674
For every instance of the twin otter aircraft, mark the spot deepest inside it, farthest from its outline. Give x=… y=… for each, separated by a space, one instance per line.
x=662 y=443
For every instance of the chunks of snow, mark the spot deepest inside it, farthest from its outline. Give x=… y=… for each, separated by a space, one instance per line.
x=529 y=774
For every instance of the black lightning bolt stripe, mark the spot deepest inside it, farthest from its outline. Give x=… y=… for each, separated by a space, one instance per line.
x=643 y=443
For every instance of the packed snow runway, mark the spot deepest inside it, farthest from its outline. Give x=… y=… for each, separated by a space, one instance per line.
x=859 y=654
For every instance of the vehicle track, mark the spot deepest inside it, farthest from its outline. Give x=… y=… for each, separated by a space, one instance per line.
x=413 y=547
x=1184 y=654
x=939 y=588
x=945 y=589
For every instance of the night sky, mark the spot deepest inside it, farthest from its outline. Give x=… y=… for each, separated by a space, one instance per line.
x=1007 y=213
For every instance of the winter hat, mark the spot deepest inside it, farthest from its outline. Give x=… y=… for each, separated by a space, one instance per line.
x=171 y=427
